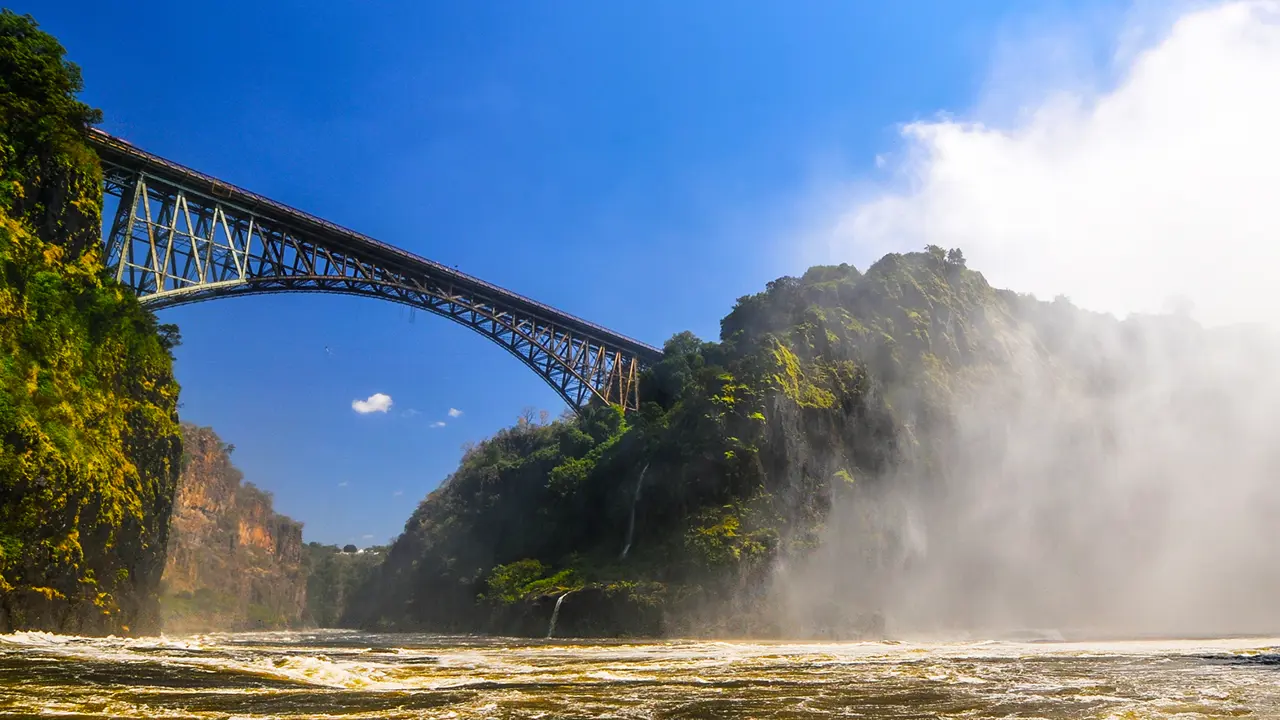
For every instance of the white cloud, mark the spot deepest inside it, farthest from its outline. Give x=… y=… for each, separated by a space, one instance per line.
x=366 y=537
x=455 y=412
x=343 y=483
x=397 y=493
x=438 y=424
x=377 y=402
x=1161 y=186
x=410 y=413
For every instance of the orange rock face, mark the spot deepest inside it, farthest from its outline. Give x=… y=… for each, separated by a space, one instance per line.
x=234 y=563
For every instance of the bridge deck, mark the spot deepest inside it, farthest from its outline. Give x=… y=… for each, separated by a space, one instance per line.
x=117 y=151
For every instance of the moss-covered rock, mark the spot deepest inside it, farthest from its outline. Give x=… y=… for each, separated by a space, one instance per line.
x=89 y=441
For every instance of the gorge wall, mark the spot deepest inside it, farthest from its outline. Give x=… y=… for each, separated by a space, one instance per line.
x=89 y=441
x=233 y=562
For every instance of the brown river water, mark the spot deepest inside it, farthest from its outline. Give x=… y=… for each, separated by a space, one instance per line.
x=337 y=674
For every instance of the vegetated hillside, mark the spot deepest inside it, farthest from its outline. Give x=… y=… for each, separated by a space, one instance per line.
x=234 y=563
x=89 y=441
x=334 y=575
x=814 y=392
x=908 y=442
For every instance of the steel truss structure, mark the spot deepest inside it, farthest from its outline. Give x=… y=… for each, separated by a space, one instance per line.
x=179 y=236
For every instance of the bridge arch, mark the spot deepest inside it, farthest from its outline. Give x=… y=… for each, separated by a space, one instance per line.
x=178 y=236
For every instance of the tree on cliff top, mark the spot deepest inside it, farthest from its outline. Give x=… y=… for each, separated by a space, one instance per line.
x=48 y=177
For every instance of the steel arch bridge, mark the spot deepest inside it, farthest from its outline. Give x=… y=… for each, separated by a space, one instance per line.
x=179 y=236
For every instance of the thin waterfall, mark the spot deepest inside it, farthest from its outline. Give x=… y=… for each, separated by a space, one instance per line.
x=631 y=526
x=556 y=613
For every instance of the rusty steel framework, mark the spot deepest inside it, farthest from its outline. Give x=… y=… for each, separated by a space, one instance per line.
x=178 y=236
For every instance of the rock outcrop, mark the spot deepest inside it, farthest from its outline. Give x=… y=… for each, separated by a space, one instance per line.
x=234 y=563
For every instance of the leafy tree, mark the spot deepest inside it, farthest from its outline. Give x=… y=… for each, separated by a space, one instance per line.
x=49 y=179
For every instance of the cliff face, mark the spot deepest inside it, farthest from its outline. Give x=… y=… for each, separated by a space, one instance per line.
x=89 y=441
x=233 y=562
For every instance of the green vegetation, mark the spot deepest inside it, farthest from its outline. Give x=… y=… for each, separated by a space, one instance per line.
x=511 y=583
x=50 y=181
x=181 y=607
x=333 y=576
x=747 y=443
x=89 y=442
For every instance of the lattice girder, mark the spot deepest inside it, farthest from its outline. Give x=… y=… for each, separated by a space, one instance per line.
x=179 y=237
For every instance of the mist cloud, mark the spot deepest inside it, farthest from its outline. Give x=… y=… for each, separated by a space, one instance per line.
x=1103 y=477
x=1158 y=190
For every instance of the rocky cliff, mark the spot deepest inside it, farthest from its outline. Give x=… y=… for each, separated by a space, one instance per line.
x=233 y=562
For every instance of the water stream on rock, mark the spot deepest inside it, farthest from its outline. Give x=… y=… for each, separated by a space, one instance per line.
x=555 y=613
x=631 y=525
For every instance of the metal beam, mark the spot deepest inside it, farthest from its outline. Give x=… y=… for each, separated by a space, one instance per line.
x=168 y=258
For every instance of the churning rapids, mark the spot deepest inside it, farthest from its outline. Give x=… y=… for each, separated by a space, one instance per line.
x=333 y=674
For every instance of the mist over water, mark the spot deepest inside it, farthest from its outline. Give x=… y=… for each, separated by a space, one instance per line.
x=1112 y=477
x=1141 y=501
x=1109 y=479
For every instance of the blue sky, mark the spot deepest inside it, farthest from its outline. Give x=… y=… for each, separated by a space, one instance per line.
x=637 y=164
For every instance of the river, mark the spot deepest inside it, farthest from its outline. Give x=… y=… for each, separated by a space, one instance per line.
x=336 y=674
